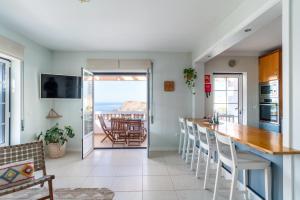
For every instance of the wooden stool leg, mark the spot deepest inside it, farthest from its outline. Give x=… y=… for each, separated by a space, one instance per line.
x=268 y=183
x=50 y=190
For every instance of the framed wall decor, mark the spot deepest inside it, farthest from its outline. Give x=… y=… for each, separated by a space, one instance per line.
x=169 y=86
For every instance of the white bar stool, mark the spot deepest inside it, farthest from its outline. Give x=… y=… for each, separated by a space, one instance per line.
x=191 y=142
x=239 y=161
x=182 y=137
x=208 y=144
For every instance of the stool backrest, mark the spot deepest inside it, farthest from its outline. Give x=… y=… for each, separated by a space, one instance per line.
x=226 y=150
x=182 y=125
x=203 y=137
x=190 y=128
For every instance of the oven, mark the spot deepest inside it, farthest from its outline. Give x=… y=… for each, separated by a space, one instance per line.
x=269 y=112
x=269 y=102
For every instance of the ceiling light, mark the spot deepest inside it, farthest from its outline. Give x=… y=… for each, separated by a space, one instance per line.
x=248 y=30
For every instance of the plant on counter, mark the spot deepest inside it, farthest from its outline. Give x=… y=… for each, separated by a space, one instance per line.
x=190 y=76
x=56 y=139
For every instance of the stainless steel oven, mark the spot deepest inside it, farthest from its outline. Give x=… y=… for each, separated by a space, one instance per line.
x=269 y=102
x=269 y=112
x=269 y=92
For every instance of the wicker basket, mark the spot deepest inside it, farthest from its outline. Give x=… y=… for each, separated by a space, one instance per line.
x=56 y=150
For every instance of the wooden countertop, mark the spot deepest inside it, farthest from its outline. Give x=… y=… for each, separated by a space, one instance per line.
x=256 y=138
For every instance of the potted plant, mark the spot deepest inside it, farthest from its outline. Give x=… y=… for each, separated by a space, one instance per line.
x=56 y=140
x=190 y=76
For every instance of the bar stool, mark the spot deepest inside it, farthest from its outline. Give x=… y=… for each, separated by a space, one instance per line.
x=208 y=144
x=239 y=161
x=191 y=142
x=182 y=137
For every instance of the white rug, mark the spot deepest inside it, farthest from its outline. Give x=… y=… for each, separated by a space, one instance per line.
x=63 y=194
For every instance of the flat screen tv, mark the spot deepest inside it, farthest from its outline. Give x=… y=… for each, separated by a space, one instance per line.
x=60 y=86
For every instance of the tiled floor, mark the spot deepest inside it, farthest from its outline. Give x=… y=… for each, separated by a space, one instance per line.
x=130 y=174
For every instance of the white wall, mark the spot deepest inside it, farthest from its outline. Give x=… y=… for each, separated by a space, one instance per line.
x=291 y=95
x=37 y=59
x=248 y=64
x=167 y=105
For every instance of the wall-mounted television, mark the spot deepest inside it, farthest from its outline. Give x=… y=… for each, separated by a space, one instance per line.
x=60 y=86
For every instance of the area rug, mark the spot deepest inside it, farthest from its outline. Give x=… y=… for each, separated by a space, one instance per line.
x=63 y=194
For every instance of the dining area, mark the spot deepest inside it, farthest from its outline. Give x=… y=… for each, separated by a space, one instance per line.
x=248 y=159
x=121 y=131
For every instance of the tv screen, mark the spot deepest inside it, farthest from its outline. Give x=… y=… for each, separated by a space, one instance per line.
x=60 y=86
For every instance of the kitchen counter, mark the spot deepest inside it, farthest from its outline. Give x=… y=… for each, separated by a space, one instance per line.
x=256 y=138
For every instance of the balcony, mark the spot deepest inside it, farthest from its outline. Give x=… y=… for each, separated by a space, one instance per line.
x=99 y=135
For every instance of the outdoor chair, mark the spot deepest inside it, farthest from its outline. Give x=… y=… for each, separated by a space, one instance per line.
x=119 y=130
x=107 y=131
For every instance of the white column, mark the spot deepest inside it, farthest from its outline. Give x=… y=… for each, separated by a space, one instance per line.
x=291 y=96
x=198 y=100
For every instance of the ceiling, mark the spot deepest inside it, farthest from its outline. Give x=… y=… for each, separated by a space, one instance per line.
x=115 y=25
x=265 y=39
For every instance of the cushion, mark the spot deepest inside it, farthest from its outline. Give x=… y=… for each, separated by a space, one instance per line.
x=16 y=173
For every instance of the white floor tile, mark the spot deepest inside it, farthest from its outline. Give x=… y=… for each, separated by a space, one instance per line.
x=130 y=183
x=128 y=196
x=159 y=195
x=157 y=183
x=131 y=175
x=194 y=195
x=187 y=182
x=68 y=182
x=98 y=182
x=155 y=169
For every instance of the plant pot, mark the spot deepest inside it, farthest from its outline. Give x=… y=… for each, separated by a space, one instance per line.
x=56 y=150
x=189 y=77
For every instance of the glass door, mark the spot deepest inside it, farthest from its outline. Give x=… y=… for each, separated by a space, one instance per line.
x=228 y=97
x=4 y=99
x=87 y=112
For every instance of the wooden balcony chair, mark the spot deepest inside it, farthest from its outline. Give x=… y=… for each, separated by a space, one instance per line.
x=16 y=153
x=107 y=131
x=119 y=130
x=135 y=132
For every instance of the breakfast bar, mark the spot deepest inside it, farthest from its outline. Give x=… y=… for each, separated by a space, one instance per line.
x=263 y=143
x=256 y=138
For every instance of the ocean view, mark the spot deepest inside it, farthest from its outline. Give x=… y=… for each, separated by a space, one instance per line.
x=107 y=106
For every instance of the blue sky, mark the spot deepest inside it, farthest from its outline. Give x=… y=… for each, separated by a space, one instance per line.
x=120 y=91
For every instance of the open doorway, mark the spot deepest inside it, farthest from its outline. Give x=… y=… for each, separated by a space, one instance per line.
x=120 y=110
x=228 y=97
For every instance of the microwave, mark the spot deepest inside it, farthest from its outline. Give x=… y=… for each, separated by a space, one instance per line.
x=269 y=92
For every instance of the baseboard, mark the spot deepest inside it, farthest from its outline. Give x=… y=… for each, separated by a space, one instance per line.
x=251 y=194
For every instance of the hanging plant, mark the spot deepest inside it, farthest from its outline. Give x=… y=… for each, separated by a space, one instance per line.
x=190 y=76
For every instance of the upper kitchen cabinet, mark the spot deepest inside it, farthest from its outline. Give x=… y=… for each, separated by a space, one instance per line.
x=270 y=66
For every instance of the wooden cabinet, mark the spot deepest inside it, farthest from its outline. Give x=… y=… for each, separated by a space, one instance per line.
x=270 y=66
